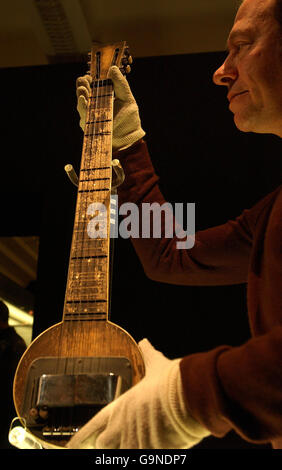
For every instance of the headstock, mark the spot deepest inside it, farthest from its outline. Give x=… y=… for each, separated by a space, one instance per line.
x=102 y=57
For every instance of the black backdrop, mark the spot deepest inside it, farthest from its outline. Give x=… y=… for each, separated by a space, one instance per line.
x=200 y=156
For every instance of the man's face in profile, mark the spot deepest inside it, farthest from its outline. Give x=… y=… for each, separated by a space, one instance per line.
x=253 y=69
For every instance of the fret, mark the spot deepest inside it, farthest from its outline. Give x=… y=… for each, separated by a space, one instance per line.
x=102 y=83
x=79 y=252
x=94 y=187
x=102 y=168
x=100 y=317
x=93 y=190
x=105 y=126
x=96 y=121
x=91 y=134
x=102 y=141
x=97 y=97
x=88 y=257
x=96 y=168
x=85 y=301
x=94 y=179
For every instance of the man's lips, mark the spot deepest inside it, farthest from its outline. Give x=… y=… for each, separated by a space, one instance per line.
x=230 y=96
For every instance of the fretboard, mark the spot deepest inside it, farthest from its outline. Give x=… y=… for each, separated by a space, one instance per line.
x=87 y=291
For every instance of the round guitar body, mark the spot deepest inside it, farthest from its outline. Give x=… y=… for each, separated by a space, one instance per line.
x=69 y=372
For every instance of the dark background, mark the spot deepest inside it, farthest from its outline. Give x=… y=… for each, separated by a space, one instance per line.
x=200 y=157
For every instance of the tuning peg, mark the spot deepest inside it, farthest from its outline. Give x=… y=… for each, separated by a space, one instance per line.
x=127 y=69
x=127 y=60
x=71 y=174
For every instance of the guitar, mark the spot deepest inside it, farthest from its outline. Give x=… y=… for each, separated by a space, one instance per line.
x=74 y=368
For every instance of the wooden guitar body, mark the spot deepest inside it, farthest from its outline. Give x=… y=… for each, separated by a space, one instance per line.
x=85 y=348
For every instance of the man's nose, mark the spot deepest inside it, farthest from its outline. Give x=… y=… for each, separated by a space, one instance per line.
x=226 y=74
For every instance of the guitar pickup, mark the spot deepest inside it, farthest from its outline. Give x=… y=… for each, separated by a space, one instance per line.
x=65 y=391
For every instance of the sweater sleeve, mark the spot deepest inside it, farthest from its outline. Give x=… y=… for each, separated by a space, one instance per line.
x=237 y=388
x=226 y=388
x=220 y=255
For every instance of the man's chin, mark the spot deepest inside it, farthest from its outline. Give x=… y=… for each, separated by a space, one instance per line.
x=242 y=125
x=246 y=123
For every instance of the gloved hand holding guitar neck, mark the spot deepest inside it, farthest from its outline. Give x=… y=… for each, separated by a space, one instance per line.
x=127 y=125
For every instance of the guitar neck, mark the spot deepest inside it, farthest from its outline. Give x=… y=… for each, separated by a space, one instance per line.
x=87 y=291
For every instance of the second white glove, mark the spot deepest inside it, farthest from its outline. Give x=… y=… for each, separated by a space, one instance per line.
x=151 y=415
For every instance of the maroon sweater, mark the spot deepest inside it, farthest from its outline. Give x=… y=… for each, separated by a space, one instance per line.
x=237 y=388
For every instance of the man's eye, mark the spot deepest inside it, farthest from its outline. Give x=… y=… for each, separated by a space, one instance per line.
x=242 y=44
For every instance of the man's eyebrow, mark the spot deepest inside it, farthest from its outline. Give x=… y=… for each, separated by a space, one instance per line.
x=234 y=34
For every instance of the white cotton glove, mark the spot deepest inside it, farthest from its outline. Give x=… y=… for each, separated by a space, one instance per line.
x=151 y=415
x=127 y=125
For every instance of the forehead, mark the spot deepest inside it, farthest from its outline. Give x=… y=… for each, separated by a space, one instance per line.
x=253 y=16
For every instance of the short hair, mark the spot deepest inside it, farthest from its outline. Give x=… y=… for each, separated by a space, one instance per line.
x=4 y=312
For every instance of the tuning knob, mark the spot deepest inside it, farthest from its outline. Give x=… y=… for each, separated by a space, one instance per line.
x=127 y=69
x=127 y=60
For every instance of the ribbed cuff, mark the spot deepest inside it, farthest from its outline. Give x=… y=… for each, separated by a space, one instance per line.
x=181 y=418
x=128 y=140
